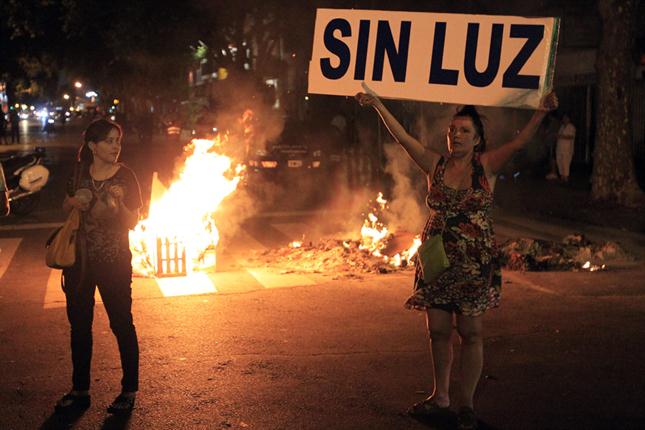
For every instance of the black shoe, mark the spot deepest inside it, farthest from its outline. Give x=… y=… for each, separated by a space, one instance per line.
x=466 y=419
x=72 y=402
x=428 y=408
x=122 y=405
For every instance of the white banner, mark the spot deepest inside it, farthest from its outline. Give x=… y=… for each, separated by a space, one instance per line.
x=453 y=58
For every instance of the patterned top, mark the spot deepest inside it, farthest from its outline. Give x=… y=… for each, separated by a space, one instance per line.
x=472 y=284
x=106 y=236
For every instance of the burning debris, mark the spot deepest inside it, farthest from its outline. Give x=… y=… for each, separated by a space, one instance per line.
x=351 y=257
x=377 y=251
x=330 y=256
x=180 y=235
x=574 y=252
x=376 y=238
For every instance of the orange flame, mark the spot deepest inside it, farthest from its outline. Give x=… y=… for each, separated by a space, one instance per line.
x=374 y=237
x=185 y=212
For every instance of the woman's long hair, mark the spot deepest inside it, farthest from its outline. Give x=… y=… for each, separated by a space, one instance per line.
x=97 y=131
x=469 y=111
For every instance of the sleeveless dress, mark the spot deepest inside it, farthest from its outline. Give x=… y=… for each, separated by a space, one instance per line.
x=472 y=284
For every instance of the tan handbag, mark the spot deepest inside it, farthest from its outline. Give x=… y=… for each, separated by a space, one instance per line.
x=61 y=245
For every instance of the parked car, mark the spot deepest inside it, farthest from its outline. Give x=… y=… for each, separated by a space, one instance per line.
x=302 y=148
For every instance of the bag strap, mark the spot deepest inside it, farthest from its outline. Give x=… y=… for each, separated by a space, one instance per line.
x=77 y=175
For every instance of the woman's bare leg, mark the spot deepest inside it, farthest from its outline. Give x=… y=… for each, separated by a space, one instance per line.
x=440 y=329
x=472 y=356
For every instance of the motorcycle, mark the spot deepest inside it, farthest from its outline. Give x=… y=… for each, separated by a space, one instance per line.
x=21 y=179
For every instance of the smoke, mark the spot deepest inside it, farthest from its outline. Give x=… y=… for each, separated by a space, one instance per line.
x=244 y=107
x=406 y=209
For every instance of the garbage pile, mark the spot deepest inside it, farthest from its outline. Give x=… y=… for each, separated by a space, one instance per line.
x=328 y=256
x=345 y=257
x=574 y=252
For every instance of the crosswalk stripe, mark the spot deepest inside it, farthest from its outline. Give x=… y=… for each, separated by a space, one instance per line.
x=272 y=279
x=249 y=241
x=239 y=280
x=30 y=226
x=54 y=295
x=195 y=283
x=8 y=247
x=293 y=230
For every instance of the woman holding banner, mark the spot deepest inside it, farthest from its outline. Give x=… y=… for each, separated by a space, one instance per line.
x=460 y=198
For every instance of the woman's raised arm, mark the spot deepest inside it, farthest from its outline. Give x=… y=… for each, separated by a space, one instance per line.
x=425 y=158
x=494 y=160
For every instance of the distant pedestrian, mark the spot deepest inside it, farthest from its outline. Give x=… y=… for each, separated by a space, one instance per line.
x=103 y=261
x=460 y=196
x=3 y=128
x=564 y=147
x=14 y=119
x=548 y=135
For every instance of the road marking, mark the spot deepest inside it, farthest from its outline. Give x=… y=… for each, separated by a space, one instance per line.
x=293 y=230
x=519 y=279
x=249 y=241
x=195 y=283
x=270 y=279
x=8 y=247
x=54 y=295
x=32 y=226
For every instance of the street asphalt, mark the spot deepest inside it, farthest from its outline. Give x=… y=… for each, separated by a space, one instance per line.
x=565 y=350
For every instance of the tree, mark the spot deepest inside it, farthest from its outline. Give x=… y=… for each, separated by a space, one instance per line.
x=613 y=176
x=30 y=35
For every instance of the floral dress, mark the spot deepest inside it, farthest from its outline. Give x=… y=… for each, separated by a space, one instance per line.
x=472 y=284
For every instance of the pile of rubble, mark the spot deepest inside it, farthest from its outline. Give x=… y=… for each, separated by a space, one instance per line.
x=574 y=252
x=328 y=256
x=345 y=258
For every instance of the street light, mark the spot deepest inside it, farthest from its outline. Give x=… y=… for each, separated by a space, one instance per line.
x=77 y=84
x=66 y=96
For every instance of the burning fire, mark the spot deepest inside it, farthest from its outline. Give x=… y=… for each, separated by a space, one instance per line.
x=179 y=235
x=375 y=235
x=593 y=267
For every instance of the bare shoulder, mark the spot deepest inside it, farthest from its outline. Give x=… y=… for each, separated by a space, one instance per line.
x=431 y=159
x=491 y=176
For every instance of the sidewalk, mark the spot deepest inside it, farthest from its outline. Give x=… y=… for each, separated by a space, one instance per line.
x=553 y=210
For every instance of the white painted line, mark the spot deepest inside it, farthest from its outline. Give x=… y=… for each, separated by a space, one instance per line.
x=8 y=247
x=195 y=283
x=54 y=295
x=293 y=230
x=242 y=236
x=519 y=279
x=270 y=279
x=32 y=226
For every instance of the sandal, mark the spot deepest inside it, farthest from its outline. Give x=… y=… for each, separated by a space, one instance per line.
x=466 y=419
x=121 y=405
x=72 y=402
x=427 y=407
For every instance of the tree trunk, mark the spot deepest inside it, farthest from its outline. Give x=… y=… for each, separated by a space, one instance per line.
x=613 y=176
